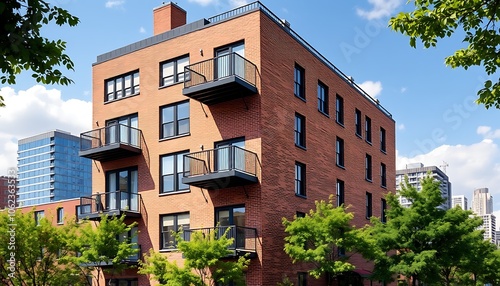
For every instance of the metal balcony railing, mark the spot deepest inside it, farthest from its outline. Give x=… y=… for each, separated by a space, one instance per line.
x=244 y=238
x=112 y=134
x=110 y=203
x=218 y=68
x=219 y=160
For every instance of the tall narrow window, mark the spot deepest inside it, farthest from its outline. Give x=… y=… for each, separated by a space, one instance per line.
x=60 y=215
x=175 y=120
x=357 y=122
x=368 y=129
x=121 y=191
x=383 y=178
x=383 y=208
x=368 y=167
x=368 y=205
x=339 y=110
x=322 y=97
x=339 y=150
x=382 y=140
x=300 y=130
x=172 y=168
x=38 y=216
x=122 y=86
x=340 y=193
x=172 y=71
x=302 y=279
x=299 y=77
x=300 y=179
x=172 y=223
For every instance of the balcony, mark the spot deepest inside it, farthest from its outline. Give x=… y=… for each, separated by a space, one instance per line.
x=110 y=203
x=244 y=239
x=220 y=79
x=219 y=168
x=110 y=143
x=132 y=260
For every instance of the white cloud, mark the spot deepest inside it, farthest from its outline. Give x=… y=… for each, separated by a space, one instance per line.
x=204 y=2
x=34 y=111
x=469 y=166
x=238 y=3
x=487 y=132
x=114 y=3
x=373 y=88
x=381 y=8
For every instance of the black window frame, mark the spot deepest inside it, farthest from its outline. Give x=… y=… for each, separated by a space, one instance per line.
x=339 y=110
x=300 y=130
x=369 y=206
x=299 y=76
x=177 y=78
x=383 y=209
x=383 y=175
x=172 y=245
x=135 y=88
x=176 y=120
x=323 y=98
x=383 y=139
x=368 y=168
x=368 y=129
x=60 y=215
x=300 y=214
x=301 y=278
x=39 y=215
x=358 y=122
x=339 y=152
x=300 y=179
x=178 y=186
x=340 y=192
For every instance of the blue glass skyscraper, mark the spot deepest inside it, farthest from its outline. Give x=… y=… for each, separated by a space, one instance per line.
x=49 y=169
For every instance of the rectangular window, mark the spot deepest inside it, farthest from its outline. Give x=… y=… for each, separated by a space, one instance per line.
x=124 y=130
x=174 y=120
x=322 y=97
x=340 y=193
x=302 y=279
x=38 y=216
x=172 y=71
x=300 y=130
x=339 y=110
x=368 y=129
x=60 y=215
x=121 y=191
x=122 y=86
x=382 y=139
x=300 y=214
x=368 y=167
x=299 y=77
x=383 y=177
x=170 y=224
x=368 y=205
x=383 y=208
x=357 y=121
x=172 y=168
x=339 y=150
x=300 y=179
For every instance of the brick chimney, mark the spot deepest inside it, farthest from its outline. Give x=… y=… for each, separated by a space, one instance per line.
x=167 y=17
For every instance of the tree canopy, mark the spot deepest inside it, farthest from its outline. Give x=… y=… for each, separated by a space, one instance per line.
x=23 y=47
x=434 y=19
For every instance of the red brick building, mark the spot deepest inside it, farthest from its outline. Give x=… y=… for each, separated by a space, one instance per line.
x=232 y=120
x=4 y=191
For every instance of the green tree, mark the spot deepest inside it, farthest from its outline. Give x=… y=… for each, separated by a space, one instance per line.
x=23 y=47
x=434 y=19
x=34 y=253
x=203 y=264
x=106 y=242
x=326 y=238
x=426 y=243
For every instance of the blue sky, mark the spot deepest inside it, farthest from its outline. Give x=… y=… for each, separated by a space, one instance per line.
x=433 y=105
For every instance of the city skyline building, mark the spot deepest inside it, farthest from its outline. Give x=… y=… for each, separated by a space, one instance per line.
x=416 y=172
x=482 y=201
x=460 y=201
x=489 y=227
x=50 y=169
x=4 y=191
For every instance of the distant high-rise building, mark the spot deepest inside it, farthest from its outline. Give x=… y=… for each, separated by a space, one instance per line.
x=416 y=172
x=459 y=201
x=489 y=227
x=482 y=202
x=4 y=189
x=50 y=169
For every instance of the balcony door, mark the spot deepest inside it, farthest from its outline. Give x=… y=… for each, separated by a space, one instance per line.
x=227 y=63
x=121 y=191
x=118 y=130
x=233 y=218
x=229 y=155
